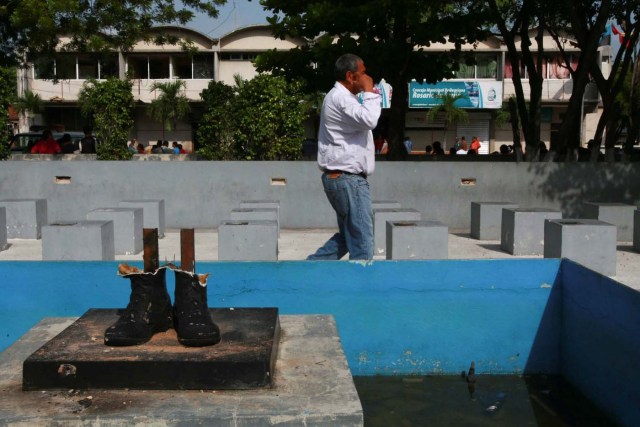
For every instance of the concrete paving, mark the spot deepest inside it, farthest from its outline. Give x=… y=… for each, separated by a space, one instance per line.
x=297 y=244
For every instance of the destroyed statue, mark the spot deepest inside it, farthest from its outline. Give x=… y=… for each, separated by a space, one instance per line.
x=150 y=311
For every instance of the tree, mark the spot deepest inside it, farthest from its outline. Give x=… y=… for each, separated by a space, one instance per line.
x=259 y=119
x=388 y=35
x=37 y=26
x=171 y=105
x=269 y=115
x=7 y=95
x=215 y=133
x=447 y=109
x=27 y=104
x=110 y=105
x=587 y=22
x=514 y=21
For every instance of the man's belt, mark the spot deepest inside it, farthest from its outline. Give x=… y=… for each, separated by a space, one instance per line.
x=334 y=174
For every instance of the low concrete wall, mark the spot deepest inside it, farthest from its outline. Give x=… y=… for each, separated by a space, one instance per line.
x=201 y=194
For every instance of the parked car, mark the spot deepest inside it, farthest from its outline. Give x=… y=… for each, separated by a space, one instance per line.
x=21 y=142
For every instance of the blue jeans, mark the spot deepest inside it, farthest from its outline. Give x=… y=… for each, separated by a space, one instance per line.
x=350 y=198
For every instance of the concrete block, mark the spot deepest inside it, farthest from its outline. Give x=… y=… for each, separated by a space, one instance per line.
x=25 y=217
x=636 y=230
x=3 y=228
x=380 y=218
x=78 y=241
x=262 y=204
x=589 y=242
x=127 y=227
x=618 y=214
x=385 y=204
x=153 y=212
x=523 y=230
x=261 y=214
x=417 y=240
x=486 y=219
x=248 y=241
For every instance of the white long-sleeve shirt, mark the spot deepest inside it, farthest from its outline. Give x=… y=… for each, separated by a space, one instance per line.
x=345 y=141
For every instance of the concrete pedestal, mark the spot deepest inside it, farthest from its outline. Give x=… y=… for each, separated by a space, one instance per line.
x=312 y=386
x=262 y=204
x=127 y=227
x=523 y=230
x=153 y=213
x=417 y=240
x=618 y=214
x=589 y=242
x=25 y=217
x=486 y=219
x=3 y=228
x=79 y=241
x=385 y=204
x=260 y=214
x=248 y=241
x=380 y=218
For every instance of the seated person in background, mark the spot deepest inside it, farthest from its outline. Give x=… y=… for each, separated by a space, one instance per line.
x=88 y=143
x=133 y=146
x=463 y=146
x=428 y=150
x=140 y=148
x=157 y=149
x=505 y=150
x=66 y=145
x=165 y=148
x=176 y=149
x=475 y=144
x=46 y=144
x=181 y=150
x=437 y=149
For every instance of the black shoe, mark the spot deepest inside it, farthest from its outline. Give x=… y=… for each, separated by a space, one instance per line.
x=191 y=317
x=148 y=312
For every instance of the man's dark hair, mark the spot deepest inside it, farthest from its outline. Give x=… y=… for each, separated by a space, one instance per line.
x=347 y=62
x=87 y=129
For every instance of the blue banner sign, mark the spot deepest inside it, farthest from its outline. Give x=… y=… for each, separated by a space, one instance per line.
x=475 y=94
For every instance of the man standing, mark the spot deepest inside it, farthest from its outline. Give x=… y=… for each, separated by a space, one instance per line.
x=346 y=156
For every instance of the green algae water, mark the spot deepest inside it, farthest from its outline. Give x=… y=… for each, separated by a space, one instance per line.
x=494 y=400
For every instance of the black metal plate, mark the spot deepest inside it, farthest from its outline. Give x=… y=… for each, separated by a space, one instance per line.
x=78 y=358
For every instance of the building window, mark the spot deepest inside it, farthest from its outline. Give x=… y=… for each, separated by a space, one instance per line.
x=485 y=67
x=159 y=66
x=202 y=66
x=108 y=66
x=238 y=56
x=88 y=67
x=181 y=67
x=65 y=67
x=553 y=67
x=138 y=67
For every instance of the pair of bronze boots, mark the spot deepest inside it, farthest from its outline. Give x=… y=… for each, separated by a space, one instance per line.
x=150 y=311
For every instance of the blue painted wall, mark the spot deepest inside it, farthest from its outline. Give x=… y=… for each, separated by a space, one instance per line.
x=394 y=317
x=601 y=340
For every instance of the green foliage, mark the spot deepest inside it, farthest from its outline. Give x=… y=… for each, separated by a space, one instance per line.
x=7 y=94
x=110 y=104
x=215 y=134
x=93 y=26
x=449 y=111
x=262 y=121
x=171 y=105
x=29 y=102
